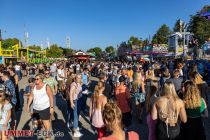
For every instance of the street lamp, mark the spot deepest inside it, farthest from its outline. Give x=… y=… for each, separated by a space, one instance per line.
x=185 y=27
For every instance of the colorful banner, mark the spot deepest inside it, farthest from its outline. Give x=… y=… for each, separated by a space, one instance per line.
x=1 y=60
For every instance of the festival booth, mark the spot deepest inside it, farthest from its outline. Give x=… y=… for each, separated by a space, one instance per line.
x=82 y=56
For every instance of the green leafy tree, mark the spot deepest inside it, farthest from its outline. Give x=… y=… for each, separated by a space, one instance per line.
x=200 y=27
x=109 y=49
x=67 y=51
x=161 y=37
x=34 y=47
x=97 y=51
x=8 y=43
x=54 y=51
x=134 y=41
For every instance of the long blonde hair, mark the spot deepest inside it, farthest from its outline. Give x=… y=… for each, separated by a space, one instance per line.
x=169 y=90
x=150 y=74
x=192 y=98
x=96 y=94
x=197 y=78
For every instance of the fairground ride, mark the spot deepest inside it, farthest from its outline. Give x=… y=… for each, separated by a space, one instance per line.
x=19 y=54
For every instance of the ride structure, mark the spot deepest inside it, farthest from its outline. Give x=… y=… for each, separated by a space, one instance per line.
x=18 y=54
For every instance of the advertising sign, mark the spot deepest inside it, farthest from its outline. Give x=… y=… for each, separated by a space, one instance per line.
x=1 y=60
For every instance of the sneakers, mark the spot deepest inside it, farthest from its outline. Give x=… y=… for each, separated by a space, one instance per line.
x=77 y=134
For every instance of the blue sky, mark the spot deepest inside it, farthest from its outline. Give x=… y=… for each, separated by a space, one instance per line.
x=91 y=23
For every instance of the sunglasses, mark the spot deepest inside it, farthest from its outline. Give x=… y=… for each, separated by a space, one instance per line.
x=37 y=79
x=47 y=73
x=1 y=95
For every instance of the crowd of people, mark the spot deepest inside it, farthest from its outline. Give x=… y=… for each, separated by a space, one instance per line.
x=173 y=95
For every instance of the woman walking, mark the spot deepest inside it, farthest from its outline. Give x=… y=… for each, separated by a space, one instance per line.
x=43 y=105
x=166 y=111
x=195 y=108
x=98 y=102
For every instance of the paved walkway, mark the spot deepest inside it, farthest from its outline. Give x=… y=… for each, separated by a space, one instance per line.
x=59 y=124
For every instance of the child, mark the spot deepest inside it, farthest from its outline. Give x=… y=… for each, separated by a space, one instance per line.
x=5 y=115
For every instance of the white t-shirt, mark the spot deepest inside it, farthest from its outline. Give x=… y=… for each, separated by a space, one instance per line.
x=77 y=67
x=17 y=67
x=60 y=72
x=4 y=114
x=53 y=68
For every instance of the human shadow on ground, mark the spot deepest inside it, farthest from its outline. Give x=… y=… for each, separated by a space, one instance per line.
x=27 y=126
x=59 y=126
x=61 y=105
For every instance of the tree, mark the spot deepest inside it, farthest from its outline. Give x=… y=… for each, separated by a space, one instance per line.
x=161 y=37
x=8 y=43
x=109 y=49
x=97 y=51
x=200 y=27
x=135 y=42
x=145 y=42
x=54 y=51
x=34 y=47
x=67 y=51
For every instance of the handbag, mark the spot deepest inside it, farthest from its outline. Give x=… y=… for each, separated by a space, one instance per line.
x=140 y=97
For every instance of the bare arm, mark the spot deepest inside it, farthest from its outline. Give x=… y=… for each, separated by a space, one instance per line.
x=104 y=102
x=9 y=112
x=90 y=107
x=50 y=95
x=182 y=114
x=142 y=87
x=30 y=99
x=73 y=88
x=154 y=112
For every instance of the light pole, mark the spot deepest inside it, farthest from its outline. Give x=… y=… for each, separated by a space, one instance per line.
x=185 y=27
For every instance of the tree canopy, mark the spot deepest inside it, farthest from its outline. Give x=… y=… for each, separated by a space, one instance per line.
x=34 y=47
x=200 y=27
x=161 y=36
x=109 y=49
x=9 y=42
x=54 y=51
x=67 y=51
x=96 y=50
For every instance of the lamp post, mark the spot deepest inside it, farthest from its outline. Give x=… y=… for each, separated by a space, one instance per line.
x=185 y=27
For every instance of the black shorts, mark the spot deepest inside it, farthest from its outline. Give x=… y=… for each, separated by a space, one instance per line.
x=41 y=114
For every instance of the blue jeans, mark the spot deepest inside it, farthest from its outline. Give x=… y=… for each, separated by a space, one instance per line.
x=70 y=115
x=75 y=113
